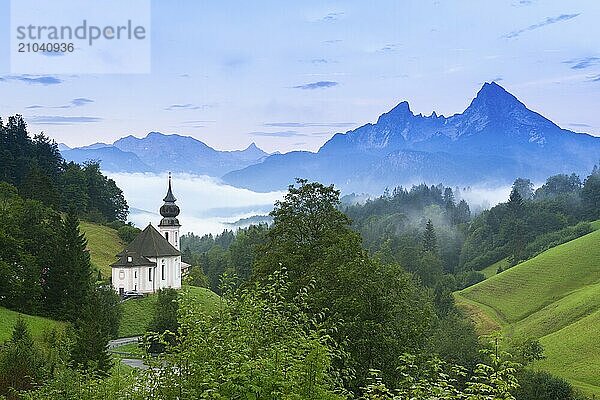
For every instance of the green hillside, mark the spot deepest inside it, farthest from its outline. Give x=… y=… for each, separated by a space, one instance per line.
x=554 y=297
x=137 y=313
x=104 y=243
x=37 y=325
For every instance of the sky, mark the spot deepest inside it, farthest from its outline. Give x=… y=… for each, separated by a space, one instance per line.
x=287 y=75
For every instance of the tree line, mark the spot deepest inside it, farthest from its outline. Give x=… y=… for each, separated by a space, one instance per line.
x=35 y=167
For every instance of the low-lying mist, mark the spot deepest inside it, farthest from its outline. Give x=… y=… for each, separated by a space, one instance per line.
x=207 y=205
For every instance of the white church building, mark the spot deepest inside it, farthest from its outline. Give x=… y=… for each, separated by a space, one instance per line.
x=152 y=260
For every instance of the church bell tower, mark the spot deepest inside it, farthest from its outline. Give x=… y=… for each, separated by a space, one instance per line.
x=169 y=224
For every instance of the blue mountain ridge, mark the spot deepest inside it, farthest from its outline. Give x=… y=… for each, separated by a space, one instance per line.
x=494 y=141
x=158 y=152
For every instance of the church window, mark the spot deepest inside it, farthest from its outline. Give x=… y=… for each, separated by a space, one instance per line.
x=129 y=259
x=150 y=274
x=163 y=270
x=121 y=274
x=135 y=274
x=167 y=236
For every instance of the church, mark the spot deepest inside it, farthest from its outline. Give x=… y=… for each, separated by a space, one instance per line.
x=152 y=260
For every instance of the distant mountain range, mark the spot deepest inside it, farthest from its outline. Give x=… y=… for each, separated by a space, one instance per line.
x=158 y=153
x=495 y=140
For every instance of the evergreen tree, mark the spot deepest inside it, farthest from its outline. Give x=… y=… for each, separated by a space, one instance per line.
x=98 y=320
x=590 y=196
x=429 y=238
x=69 y=279
x=515 y=203
x=524 y=187
x=21 y=363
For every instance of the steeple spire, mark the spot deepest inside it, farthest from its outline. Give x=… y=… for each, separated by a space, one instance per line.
x=169 y=210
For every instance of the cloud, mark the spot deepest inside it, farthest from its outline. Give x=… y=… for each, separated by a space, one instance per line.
x=188 y=106
x=310 y=124
x=547 y=21
x=33 y=79
x=221 y=204
x=78 y=102
x=281 y=134
x=389 y=48
x=317 y=85
x=61 y=120
x=580 y=125
x=332 y=41
x=582 y=63
x=594 y=78
x=319 y=61
x=333 y=16
x=522 y=3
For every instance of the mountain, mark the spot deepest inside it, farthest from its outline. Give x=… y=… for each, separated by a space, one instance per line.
x=158 y=152
x=110 y=158
x=495 y=140
x=62 y=146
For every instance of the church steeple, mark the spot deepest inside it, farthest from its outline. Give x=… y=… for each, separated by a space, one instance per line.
x=169 y=198
x=169 y=224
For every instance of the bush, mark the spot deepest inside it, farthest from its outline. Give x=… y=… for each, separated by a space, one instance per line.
x=553 y=239
x=539 y=385
x=127 y=233
x=469 y=278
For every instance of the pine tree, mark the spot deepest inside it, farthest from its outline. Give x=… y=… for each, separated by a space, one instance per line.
x=69 y=279
x=515 y=203
x=21 y=364
x=429 y=238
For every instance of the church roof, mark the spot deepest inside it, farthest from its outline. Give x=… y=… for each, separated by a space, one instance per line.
x=150 y=243
x=132 y=259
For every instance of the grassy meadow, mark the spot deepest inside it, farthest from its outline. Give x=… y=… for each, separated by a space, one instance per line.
x=554 y=297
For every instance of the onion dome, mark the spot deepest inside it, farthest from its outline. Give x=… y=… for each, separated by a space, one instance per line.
x=169 y=210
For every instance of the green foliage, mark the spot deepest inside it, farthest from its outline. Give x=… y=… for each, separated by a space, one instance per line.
x=225 y=253
x=165 y=315
x=127 y=233
x=392 y=225
x=38 y=326
x=26 y=363
x=540 y=385
x=69 y=384
x=590 y=195
x=37 y=169
x=258 y=345
x=519 y=229
x=375 y=310
x=196 y=277
x=68 y=282
x=431 y=378
x=138 y=313
x=429 y=238
x=98 y=323
x=553 y=239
